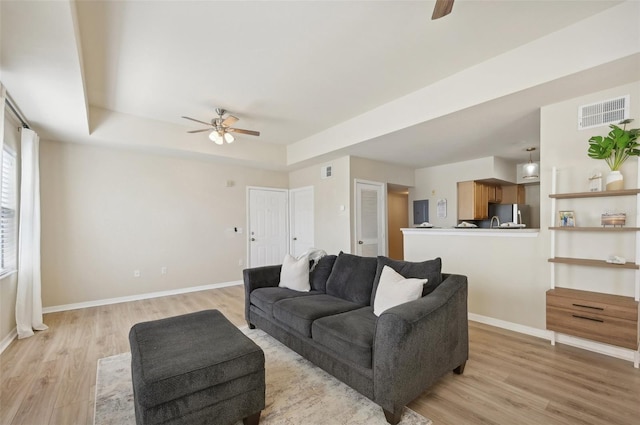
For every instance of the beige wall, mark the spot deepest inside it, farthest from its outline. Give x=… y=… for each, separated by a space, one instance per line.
x=8 y=284
x=565 y=147
x=334 y=196
x=380 y=172
x=107 y=212
x=440 y=182
x=332 y=203
x=366 y=169
x=508 y=277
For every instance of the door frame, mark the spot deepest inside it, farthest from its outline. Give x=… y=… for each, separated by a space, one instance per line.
x=248 y=218
x=291 y=215
x=382 y=212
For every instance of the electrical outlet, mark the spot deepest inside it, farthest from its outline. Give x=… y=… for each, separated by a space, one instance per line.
x=240 y=262
x=163 y=270
x=136 y=273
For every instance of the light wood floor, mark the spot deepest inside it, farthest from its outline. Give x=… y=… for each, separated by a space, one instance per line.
x=509 y=378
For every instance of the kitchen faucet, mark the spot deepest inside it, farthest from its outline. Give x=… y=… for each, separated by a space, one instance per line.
x=497 y=220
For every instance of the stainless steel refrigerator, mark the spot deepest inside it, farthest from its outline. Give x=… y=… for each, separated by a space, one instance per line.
x=510 y=213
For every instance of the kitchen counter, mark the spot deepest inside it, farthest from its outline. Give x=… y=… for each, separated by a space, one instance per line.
x=472 y=231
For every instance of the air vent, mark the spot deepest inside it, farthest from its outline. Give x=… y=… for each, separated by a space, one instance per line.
x=604 y=112
x=325 y=171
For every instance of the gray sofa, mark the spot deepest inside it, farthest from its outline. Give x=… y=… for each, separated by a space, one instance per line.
x=391 y=359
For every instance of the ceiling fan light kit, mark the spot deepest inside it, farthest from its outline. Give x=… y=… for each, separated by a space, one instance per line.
x=221 y=128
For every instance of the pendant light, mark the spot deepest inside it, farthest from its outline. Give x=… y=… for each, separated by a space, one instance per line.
x=530 y=169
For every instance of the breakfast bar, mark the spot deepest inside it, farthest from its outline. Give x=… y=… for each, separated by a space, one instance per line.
x=507 y=269
x=471 y=231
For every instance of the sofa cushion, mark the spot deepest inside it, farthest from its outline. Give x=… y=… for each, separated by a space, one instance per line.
x=430 y=269
x=352 y=278
x=321 y=272
x=393 y=289
x=299 y=313
x=294 y=273
x=264 y=298
x=349 y=335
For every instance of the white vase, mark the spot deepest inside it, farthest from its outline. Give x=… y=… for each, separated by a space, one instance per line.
x=615 y=181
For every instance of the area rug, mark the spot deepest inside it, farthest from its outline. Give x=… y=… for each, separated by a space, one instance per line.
x=298 y=392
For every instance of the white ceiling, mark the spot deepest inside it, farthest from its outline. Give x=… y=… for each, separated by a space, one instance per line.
x=108 y=71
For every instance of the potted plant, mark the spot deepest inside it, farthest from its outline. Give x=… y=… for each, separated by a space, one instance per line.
x=615 y=149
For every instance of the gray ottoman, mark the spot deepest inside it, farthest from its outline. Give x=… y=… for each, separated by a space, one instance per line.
x=196 y=368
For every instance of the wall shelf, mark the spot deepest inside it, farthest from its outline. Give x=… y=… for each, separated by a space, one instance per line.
x=570 y=311
x=575 y=195
x=593 y=263
x=595 y=229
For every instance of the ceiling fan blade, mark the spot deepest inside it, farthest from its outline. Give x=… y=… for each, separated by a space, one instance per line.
x=442 y=8
x=229 y=121
x=241 y=131
x=199 y=131
x=193 y=119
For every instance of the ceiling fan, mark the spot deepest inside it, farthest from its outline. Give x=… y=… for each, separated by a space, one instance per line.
x=442 y=8
x=221 y=128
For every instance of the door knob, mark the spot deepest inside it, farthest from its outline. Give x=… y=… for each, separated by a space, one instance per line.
x=295 y=239
x=253 y=239
x=360 y=242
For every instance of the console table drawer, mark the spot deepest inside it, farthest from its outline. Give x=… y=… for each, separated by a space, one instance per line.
x=593 y=303
x=601 y=304
x=597 y=327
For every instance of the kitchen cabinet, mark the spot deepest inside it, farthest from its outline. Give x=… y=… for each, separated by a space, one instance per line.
x=607 y=318
x=473 y=201
x=495 y=194
x=513 y=194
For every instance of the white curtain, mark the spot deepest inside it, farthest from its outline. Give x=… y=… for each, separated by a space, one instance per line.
x=29 y=298
x=3 y=94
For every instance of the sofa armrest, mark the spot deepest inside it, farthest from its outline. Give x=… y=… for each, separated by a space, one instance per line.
x=261 y=277
x=258 y=277
x=418 y=342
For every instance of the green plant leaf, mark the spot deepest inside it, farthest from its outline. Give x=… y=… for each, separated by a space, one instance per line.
x=616 y=147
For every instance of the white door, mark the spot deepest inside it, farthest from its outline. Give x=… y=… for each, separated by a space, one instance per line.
x=268 y=236
x=370 y=219
x=301 y=216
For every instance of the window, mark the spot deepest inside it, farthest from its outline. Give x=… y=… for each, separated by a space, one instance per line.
x=8 y=218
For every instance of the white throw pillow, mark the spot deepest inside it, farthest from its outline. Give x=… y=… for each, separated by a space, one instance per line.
x=295 y=274
x=394 y=289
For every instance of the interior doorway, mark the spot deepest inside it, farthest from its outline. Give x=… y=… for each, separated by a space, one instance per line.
x=301 y=215
x=268 y=226
x=370 y=219
x=397 y=218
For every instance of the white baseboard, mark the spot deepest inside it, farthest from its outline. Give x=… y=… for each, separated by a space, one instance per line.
x=597 y=347
x=609 y=350
x=527 y=330
x=8 y=339
x=138 y=297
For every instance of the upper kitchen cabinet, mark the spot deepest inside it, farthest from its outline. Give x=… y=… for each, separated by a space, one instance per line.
x=495 y=194
x=473 y=200
x=513 y=194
